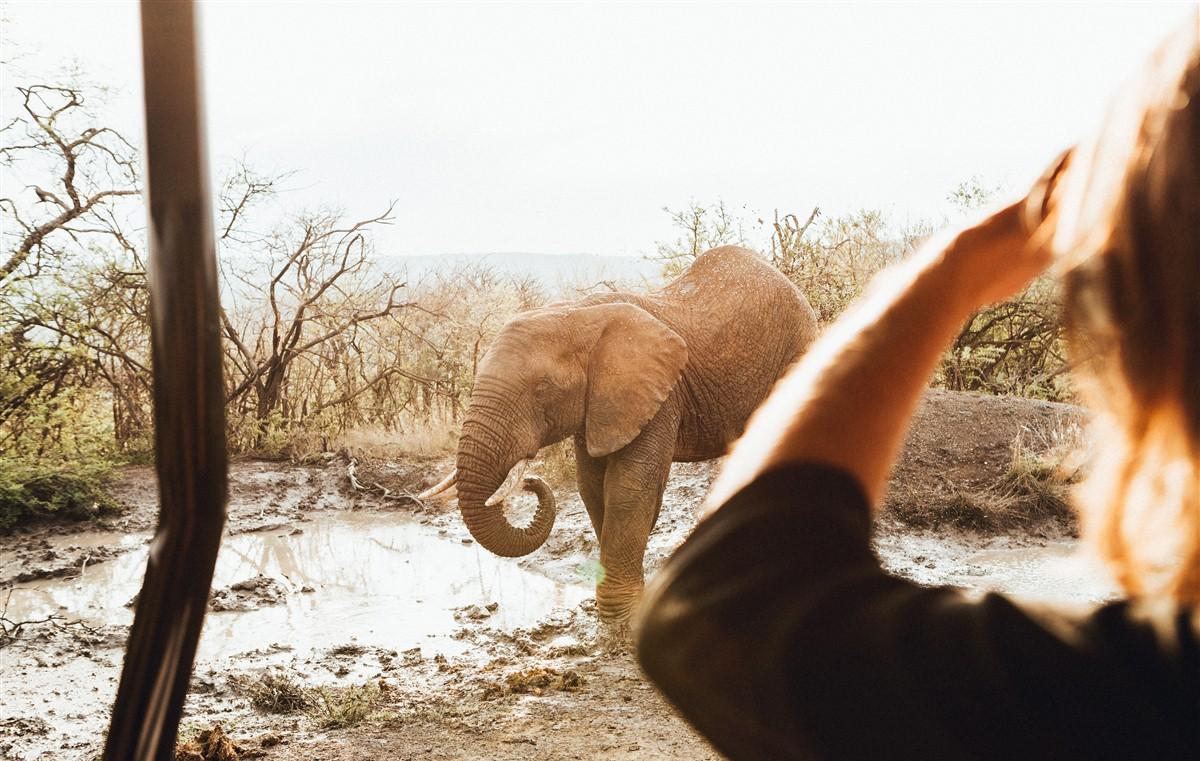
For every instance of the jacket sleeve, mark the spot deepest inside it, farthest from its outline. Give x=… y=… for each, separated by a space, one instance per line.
x=776 y=633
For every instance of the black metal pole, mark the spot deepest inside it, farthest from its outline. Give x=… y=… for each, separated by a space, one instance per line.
x=189 y=397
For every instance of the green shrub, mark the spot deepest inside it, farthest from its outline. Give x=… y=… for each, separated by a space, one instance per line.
x=69 y=492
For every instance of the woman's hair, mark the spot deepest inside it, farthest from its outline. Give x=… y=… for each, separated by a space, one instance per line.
x=1128 y=225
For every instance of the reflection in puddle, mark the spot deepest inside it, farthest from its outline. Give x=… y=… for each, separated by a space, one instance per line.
x=1058 y=571
x=381 y=579
x=1054 y=571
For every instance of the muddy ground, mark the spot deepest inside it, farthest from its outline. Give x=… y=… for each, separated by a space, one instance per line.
x=354 y=623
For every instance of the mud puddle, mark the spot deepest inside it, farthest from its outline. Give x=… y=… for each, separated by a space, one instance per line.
x=1045 y=570
x=342 y=582
x=383 y=578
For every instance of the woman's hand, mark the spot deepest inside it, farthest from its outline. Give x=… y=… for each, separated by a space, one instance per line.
x=1000 y=255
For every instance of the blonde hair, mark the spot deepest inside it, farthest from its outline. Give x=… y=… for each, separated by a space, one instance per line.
x=1128 y=224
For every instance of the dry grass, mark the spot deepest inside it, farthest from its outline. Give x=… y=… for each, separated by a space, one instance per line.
x=1034 y=487
x=330 y=707
x=1046 y=464
x=342 y=707
x=436 y=437
x=274 y=692
x=556 y=464
x=977 y=510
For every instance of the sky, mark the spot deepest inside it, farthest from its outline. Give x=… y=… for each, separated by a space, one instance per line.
x=564 y=128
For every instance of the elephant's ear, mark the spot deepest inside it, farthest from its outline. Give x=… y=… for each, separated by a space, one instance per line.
x=634 y=364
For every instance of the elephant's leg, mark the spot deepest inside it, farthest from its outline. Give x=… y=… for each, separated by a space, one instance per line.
x=589 y=475
x=633 y=485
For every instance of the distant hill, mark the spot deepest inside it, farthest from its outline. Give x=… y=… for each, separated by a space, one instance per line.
x=551 y=270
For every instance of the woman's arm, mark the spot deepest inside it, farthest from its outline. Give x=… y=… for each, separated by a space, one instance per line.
x=848 y=401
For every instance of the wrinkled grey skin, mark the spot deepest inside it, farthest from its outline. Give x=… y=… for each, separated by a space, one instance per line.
x=639 y=381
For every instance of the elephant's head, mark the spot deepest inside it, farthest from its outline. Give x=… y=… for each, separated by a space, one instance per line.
x=605 y=369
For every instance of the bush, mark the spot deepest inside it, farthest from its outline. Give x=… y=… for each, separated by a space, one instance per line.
x=1015 y=347
x=32 y=492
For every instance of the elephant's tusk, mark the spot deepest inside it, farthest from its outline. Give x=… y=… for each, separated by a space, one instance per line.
x=440 y=486
x=510 y=484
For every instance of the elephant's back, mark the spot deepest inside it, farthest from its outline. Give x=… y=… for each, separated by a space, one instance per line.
x=744 y=323
x=731 y=290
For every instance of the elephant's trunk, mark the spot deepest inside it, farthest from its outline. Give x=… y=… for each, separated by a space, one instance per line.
x=482 y=472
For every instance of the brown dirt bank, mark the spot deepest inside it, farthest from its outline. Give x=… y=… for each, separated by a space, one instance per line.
x=987 y=463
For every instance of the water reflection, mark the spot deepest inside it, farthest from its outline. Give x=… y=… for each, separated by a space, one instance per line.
x=1059 y=571
x=383 y=579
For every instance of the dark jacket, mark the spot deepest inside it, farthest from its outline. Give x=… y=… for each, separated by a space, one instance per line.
x=776 y=633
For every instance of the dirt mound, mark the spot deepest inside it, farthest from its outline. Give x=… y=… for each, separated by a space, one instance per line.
x=985 y=462
x=250 y=594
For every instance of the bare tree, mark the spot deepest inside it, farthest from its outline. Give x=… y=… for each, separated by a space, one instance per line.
x=701 y=228
x=832 y=259
x=57 y=269
x=318 y=338
x=314 y=292
x=94 y=167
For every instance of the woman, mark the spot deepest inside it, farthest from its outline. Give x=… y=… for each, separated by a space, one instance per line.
x=773 y=628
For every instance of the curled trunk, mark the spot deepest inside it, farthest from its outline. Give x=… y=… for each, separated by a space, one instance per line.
x=480 y=473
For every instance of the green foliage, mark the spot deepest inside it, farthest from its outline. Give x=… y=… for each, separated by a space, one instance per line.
x=33 y=491
x=272 y=436
x=55 y=434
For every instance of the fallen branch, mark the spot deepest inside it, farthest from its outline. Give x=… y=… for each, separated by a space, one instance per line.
x=351 y=471
x=384 y=492
x=10 y=630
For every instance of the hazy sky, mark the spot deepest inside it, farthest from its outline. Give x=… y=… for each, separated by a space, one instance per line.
x=567 y=128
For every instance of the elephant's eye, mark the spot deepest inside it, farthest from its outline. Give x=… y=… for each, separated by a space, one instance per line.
x=543 y=388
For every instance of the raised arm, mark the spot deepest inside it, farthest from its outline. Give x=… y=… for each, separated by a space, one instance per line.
x=848 y=402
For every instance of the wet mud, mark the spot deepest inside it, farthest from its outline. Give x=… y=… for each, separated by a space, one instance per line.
x=344 y=625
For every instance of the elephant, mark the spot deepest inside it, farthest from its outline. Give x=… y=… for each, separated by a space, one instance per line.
x=639 y=381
